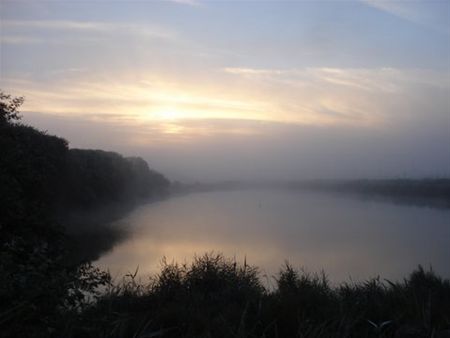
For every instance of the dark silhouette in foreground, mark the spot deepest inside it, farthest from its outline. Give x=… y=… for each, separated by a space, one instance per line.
x=217 y=297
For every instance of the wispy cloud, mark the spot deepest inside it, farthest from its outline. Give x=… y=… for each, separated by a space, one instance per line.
x=144 y=30
x=357 y=97
x=253 y=71
x=19 y=40
x=371 y=79
x=186 y=2
x=363 y=96
x=402 y=9
x=55 y=24
x=432 y=14
x=153 y=99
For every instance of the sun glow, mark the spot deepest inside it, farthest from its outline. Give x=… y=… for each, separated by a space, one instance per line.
x=169 y=114
x=298 y=96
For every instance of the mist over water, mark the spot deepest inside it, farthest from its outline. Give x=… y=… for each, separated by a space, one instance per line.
x=346 y=237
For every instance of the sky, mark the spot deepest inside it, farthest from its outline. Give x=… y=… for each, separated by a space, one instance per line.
x=239 y=90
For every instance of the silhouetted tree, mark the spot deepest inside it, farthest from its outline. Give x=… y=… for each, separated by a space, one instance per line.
x=9 y=108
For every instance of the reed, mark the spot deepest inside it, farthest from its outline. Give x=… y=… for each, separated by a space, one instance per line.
x=219 y=297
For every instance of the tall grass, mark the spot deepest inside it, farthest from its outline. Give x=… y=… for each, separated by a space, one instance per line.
x=218 y=297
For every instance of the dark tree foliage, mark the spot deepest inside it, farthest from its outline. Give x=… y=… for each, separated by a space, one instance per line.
x=145 y=182
x=31 y=278
x=96 y=177
x=31 y=164
x=39 y=176
x=9 y=108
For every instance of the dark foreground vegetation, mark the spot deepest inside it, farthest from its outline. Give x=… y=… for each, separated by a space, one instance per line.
x=216 y=297
x=44 y=293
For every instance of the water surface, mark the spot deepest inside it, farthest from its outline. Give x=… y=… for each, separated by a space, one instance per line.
x=346 y=237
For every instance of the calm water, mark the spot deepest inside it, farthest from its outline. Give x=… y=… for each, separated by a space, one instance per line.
x=346 y=237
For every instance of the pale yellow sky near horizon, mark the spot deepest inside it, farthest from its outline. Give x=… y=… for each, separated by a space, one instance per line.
x=312 y=96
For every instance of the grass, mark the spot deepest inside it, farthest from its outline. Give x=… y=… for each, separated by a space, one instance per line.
x=218 y=297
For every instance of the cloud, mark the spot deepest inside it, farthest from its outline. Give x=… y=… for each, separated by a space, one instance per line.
x=252 y=71
x=322 y=96
x=19 y=40
x=383 y=79
x=432 y=14
x=79 y=92
x=144 y=30
x=359 y=96
x=186 y=2
x=402 y=9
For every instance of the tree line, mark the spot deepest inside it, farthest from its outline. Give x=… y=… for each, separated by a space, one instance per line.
x=41 y=178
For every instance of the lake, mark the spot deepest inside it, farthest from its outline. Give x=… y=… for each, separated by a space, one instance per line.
x=347 y=237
